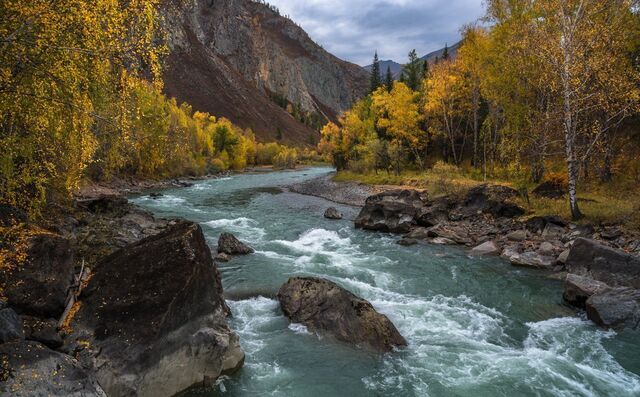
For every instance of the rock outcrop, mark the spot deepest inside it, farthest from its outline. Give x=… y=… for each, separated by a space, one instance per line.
x=153 y=317
x=614 y=267
x=251 y=57
x=393 y=211
x=30 y=369
x=38 y=285
x=324 y=306
x=230 y=245
x=578 y=289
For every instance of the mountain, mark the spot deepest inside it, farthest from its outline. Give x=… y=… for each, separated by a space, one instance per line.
x=241 y=60
x=396 y=68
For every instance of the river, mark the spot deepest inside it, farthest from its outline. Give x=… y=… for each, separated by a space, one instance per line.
x=475 y=326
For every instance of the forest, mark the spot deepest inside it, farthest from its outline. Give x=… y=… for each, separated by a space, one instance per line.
x=540 y=91
x=81 y=100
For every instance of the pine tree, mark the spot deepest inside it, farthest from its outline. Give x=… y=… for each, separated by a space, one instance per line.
x=445 y=53
x=389 y=79
x=413 y=71
x=425 y=69
x=375 y=73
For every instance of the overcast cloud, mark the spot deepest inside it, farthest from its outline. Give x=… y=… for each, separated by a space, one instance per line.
x=354 y=29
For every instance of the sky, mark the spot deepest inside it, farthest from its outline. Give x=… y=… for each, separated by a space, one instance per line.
x=354 y=29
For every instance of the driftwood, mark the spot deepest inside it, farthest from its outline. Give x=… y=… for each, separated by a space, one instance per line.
x=79 y=281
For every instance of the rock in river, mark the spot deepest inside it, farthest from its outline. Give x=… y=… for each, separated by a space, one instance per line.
x=322 y=305
x=611 y=266
x=615 y=308
x=393 y=211
x=578 y=289
x=230 y=245
x=332 y=213
x=155 y=317
x=488 y=248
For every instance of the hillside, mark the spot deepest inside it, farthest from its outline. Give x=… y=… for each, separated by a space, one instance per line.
x=242 y=60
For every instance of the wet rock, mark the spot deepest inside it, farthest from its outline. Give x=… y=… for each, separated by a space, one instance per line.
x=324 y=306
x=10 y=326
x=451 y=232
x=609 y=265
x=578 y=289
x=419 y=233
x=43 y=331
x=38 y=286
x=11 y=216
x=392 y=211
x=550 y=189
x=332 y=213
x=518 y=235
x=230 y=245
x=407 y=242
x=222 y=257
x=494 y=200
x=156 y=317
x=528 y=259
x=617 y=308
x=434 y=213
x=488 y=248
x=36 y=370
x=155 y=195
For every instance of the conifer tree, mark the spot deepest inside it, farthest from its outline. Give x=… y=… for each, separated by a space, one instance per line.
x=425 y=69
x=445 y=53
x=375 y=73
x=388 y=81
x=412 y=71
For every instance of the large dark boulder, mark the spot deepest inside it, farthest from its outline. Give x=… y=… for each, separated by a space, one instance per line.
x=615 y=308
x=156 y=318
x=496 y=200
x=38 y=284
x=230 y=245
x=435 y=212
x=611 y=266
x=393 y=211
x=10 y=326
x=30 y=369
x=324 y=306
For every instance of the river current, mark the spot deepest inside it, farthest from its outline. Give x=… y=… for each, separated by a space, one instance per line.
x=475 y=326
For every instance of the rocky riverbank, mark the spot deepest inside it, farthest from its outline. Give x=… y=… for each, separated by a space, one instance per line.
x=109 y=300
x=599 y=263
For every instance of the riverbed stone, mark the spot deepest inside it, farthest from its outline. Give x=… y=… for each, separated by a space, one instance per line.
x=333 y=213
x=322 y=305
x=612 y=266
x=577 y=289
x=155 y=317
x=487 y=248
x=230 y=245
x=518 y=235
x=616 y=308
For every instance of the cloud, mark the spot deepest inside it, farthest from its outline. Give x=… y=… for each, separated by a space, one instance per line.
x=354 y=29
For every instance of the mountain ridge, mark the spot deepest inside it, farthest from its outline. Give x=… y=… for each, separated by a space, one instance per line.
x=396 y=68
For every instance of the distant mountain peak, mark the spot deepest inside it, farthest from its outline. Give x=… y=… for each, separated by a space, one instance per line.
x=396 y=68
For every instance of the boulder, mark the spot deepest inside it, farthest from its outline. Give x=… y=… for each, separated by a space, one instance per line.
x=392 y=211
x=451 y=232
x=578 y=289
x=550 y=189
x=494 y=200
x=230 y=245
x=155 y=317
x=419 y=233
x=611 y=233
x=43 y=331
x=332 y=213
x=553 y=231
x=518 y=235
x=564 y=255
x=529 y=259
x=324 y=306
x=487 y=248
x=36 y=370
x=442 y=241
x=10 y=326
x=547 y=249
x=617 y=308
x=537 y=224
x=38 y=285
x=222 y=257
x=434 y=213
x=600 y=262
x=103 y=203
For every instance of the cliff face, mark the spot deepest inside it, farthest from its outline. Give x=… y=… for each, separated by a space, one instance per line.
x=233 y=57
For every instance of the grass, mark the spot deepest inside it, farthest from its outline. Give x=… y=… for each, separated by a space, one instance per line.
x=614 y=203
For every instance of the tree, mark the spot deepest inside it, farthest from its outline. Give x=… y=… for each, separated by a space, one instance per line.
x=388 y=81
x=375 y=73
x=412 y=71
x=445 y=53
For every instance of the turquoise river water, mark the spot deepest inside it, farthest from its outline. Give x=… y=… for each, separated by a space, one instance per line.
x=475 y=326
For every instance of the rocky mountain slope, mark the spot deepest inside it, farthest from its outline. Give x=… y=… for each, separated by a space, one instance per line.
x=241 y=60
